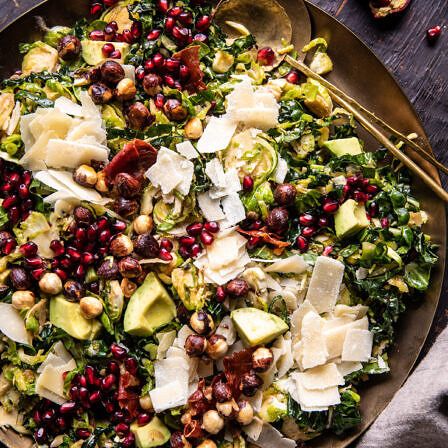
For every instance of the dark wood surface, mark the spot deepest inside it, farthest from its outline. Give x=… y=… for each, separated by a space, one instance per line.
x=420 y=68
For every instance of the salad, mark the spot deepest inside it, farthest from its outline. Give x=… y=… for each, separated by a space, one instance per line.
x=196 y=248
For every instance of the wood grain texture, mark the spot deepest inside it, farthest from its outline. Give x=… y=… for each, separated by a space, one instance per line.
x=420 y=69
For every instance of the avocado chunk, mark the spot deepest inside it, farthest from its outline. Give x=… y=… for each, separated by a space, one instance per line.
x=154 y=433
x=255 y=326
x=92 y=51
x=41 y=57
x=67 y=316
x=120 y=15
x=350 y=219
x=344 y=146
x=149 y=308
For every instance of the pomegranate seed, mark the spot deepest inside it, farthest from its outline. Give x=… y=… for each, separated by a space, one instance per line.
x=108 y=49
x=14 y=214
x=61 y=274
x=6 y=188
x=159 y=100
x=118 y=226
x=118 y=351
x=115 y=54
x=187 y=241
x=121 y=428
x=211 y=226
x=327 y=251
x=266 y=56
x=113 y=25
x=82 y=433
x=184 y=252
x=323 y=221
x=95 y=397
x=37 y=417
x=140 y=73
x=200 y=37
x=149 y=66
x=81 y=234
x=302 y=244
x=83 y=393
x=49 y=415
x=384 y=223
x=206 y=238
x=172 y=65
x=61 y=423
x=165 y=243
x=27 y=177
x=158 y=60
x=165 y=255
x=109 y=3
x=23 y=191
x=220 y=294
x=89 y=372
x=293 y=77
x=308 y=232
x=92 y=232
x=80 y=271
x=175 y=11
x=169 y=24
x=109 y=407
x=109 y=33
x=34 y=262
x=73 y=254
x=136 y=30
x=97 y=35
x=359 y=196
x=67 y=407
x=74 y=392
x=128 y=441
x=10 y=202
x=163 y=5
x=182 y=35
x=248 y=183
x=27 y=204
x=184 y=72
x=118 y=417
x=185 y=18
x=346 y=190
x=203 y=23
x=195 y=250
x=113 y=367
x=154 y=34
x=108 y=381
x=353 y=181
x=96 y=9
x=330 y=206
x=9 y=245
x=104 y=236
x=194 y=229
x=433 y=34
x=143 y=419
x=131 y=365
x=253 y=242
x=373 y=209
x=66 y=263
x=169 y=80
x=87 y=258
x=14 y=179
x=256 y=225
x=38 y=273
x=28 y=249
x=372 y=189
x=40 y=435
x=306 y=219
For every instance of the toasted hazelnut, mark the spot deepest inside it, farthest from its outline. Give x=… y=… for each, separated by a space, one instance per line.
x=207 y=443
x=249 y=383
x=91 y=307
x=22 y=300
x=186 y=417
x=152 y=84
x=138 y=116
x=112 y=72
x=69 y=48
x=278 y=219
x=50 y=283
x=86 y=176
x=217 y=346
x=262 y=359
x=237 y=287
x=126 y=90
x=73 y=289
x=121 y=245
x=195 y=345
x=129 y=267
x=108 y=270
x=143 y=224
x=221 y=392
x=146 y=246
x=174 y=110
x=82 y=215
x=284 y=194
x=127 y=186
x=101 y=184
x=245 y=414
x=20 y=279
x=125 y=207
x=100 y=93
x=227 y=408
x=193 y=129
x=178 y=440
x=201 y=322
x=128 y=287
x=212 y=422
x=146 y=403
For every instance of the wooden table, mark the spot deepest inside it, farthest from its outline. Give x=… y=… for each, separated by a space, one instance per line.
x=421 y=69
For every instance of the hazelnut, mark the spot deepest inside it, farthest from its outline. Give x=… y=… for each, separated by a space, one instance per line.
x=178 y=440
x=121 y=245
x=50 y=283
x=284 y=194
x=237 y=287
x=91 y=307
x=86 y=176
x=227 y=408
x=125 y=207
x=152 y=84
x=212 y=422
x=69 y=48
x=146 y=403
x=126 y=90
x=217 y=346
x=221 y=392
x=82 y=215
x=174 y=110
x=207 y=443
x=143 y=224
x=20 y=279
x=127 y=186
x=108 y=270
x=193 y=129
x=100 y=93
x=101 y=184
x=262 y=359
x=128 y=287
x=22 y=300
x=245 y=414
x=249 y=383
x=129 y=267
x=201 y=322
x=138 y=116
x=73 y=289
x=278 y=219
x=195 y=345
x=112 y=72
x=146 y=246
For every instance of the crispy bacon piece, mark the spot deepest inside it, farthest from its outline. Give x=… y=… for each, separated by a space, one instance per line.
x=197 y=402
x=134 y=159
x=190 y=57
x=193 y=430
x=128 y=399
x=265 y=236
x=235 y=366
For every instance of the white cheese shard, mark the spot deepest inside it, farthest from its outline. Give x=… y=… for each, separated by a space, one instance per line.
x=270 y=437
x=231 y=184
x=12 y=325
x=318 y=398
x=281 y=170
x=215 y=172
x=68 y=107
x=357 y=345
x=347 y=367
x=227 y=329
x=210 y=208
x=325 y=283
x=253 y=430
x=50 y=384
x=187 y=150
x=321 y=377
x=354 y=312
x=169 y=396
x=57 y=357
x=234 y=210
x=171 y=172
x=217 y=135
x=166 y=340
x=297 y=318
x=14 y=119
x=171 y=369
x=285 y=360
x=295 y=264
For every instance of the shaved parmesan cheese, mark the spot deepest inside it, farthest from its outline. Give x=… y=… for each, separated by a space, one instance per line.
x=215 y=172
x=313 y=349
x=68 y=107
x=325 y=283
x=187 y=150
x=297 y=318
x=129 y=71
x=285 y=361
x=12 y=324
x=14 y=119
x=210 y=208
x=182 y=336
x=281 y=171
x=295 y=264
x=50 y=383
x=354 y=312
x=227 y=329
x=321 y=377
x=169 y=396
x=347 y=367
x=253 y=430
x=357 y=345
x=270 y=437
x=322 y=398
x=171 y=369
x=57 y=357
x=233 y=209
x=34 y=157
x=166 y=340
x=217 y=135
